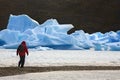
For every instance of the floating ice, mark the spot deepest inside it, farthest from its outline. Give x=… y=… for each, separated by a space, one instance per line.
x=21 y=23
x=52 y=35
x=2 y=42
x=9 y=36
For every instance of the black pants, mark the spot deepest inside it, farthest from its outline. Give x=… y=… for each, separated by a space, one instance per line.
x=22 y=61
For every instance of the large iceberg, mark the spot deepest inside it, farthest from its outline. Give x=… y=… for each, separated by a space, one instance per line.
x=21 y=23
x=52 y=35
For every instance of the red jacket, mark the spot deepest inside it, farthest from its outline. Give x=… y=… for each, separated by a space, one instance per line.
x=24 y=51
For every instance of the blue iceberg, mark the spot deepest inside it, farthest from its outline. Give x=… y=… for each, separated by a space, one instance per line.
x=52 y=35
x=21 y=23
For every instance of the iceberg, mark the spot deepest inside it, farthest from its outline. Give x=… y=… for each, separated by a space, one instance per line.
x=81 y=39
x=115 y=46
x=9 y=36
x=21 y=23
x=52 y=35
x=2 y=42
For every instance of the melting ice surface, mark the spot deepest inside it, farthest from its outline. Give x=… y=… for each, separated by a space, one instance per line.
x=52 y=35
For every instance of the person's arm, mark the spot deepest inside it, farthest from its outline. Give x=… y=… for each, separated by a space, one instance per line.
x=26 y=50
x=17 y=53
x=17 y=50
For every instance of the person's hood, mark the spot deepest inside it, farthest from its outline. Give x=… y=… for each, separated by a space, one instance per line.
x=23 y=43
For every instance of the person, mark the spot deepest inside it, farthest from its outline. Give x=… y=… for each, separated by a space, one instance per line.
x=22 y=50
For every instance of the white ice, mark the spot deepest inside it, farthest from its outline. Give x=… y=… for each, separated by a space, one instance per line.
x=68 y=75
x=8 y=58
x=61 y=58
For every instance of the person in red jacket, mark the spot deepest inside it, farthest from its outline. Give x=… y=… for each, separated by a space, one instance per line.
x=22 y=50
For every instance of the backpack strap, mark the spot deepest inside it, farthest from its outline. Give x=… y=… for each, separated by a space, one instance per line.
x=21 y=48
